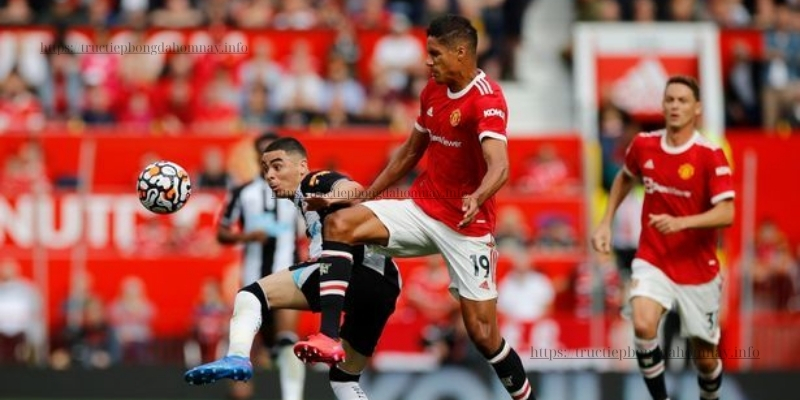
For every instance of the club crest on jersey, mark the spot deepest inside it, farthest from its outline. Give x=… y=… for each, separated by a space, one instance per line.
x=455 y=117
x=686 y=171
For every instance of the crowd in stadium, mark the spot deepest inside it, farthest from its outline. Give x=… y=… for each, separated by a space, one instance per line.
x=176 y=92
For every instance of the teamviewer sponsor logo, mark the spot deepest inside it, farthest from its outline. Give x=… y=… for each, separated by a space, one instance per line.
x=448 y=143
x=494 y=112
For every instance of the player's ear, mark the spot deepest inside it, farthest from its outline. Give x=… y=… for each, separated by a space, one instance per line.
x=303 y=166
x=698 y=109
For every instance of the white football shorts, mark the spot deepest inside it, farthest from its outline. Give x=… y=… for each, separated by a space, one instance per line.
x=697 y=305
x=471 y=261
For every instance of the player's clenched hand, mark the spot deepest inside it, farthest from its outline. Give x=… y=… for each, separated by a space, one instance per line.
x=601 y=239
x=470 y=208
x=665 y=223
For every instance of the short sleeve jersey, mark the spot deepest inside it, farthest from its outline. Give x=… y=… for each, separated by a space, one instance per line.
x=457 y=123
x=679 y=181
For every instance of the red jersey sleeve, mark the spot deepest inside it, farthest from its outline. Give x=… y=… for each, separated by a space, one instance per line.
x=720 y=177
x=492 y=114
x=631 y=166
x=420 y=123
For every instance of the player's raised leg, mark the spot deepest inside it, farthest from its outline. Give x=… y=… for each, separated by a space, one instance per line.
x=341 y=231
x=647 y=313
x=274 y=291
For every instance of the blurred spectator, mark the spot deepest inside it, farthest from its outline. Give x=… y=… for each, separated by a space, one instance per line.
x=20 y=109
x=93 y=345
x=525 y=294
x=131 y=315
x=743 y=106
x=98 y=109
x=209 y=330
x=295 y=15
x=213 y=174
x=372 y=15
x=80 y=294
x=397 y=55
x=729 y=13
x=62 y=89
x=545 y=172
x=261 y=69
x=297 y=97
x=176 y=14
x=512 y=231
x=343 y=97
x=16 y=12
x=346 y=44
x=252 y=14
x=525 y=303
x=218 y=111
x=782 y=72
x=25 y=169
x=21 y=318
x=775 y=270
x=428 y=294
x=555 y=233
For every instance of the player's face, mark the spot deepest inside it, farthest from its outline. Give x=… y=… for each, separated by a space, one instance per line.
x=681 y=108
x=442 y=61
x=283 y=172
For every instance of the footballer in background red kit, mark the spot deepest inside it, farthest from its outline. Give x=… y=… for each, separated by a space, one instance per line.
x=688 y=197
x=683 y=180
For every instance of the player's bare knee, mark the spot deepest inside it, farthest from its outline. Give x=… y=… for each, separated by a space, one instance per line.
x=706 y=363
x=645 y=327
x=337 y=228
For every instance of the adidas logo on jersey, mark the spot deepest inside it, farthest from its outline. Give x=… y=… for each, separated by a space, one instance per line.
x=430 y=111
x=649 y=164
x=484 y=285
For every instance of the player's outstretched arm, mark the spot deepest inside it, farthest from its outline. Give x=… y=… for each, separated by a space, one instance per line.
x=406 y=158
x=622 y=185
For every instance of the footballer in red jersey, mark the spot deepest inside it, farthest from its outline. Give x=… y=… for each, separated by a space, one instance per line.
x=688 y=196
x=450 y=208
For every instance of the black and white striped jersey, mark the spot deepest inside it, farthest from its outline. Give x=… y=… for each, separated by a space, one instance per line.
x=323 y=182
x=255 y=206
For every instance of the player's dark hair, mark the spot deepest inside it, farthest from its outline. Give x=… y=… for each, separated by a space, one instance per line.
x=289 y=145
x=687 y=81
x=261 y=141
x=452 y=30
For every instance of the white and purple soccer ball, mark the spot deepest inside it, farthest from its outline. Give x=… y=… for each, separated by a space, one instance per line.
x=164 y=187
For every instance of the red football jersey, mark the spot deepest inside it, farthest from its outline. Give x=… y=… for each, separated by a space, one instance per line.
x=679 y=181
x=457 y=123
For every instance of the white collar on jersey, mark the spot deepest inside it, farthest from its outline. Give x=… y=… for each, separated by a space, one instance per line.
x=464 y=91
x=678 y=149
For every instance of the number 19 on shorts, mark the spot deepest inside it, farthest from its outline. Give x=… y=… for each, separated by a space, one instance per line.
x=484 y=265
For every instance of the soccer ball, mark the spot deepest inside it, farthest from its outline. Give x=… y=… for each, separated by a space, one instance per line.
x=164 y=187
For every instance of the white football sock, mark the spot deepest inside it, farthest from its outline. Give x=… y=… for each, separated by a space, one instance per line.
x=348 y=391
x=245 y=322
x=292 y=372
